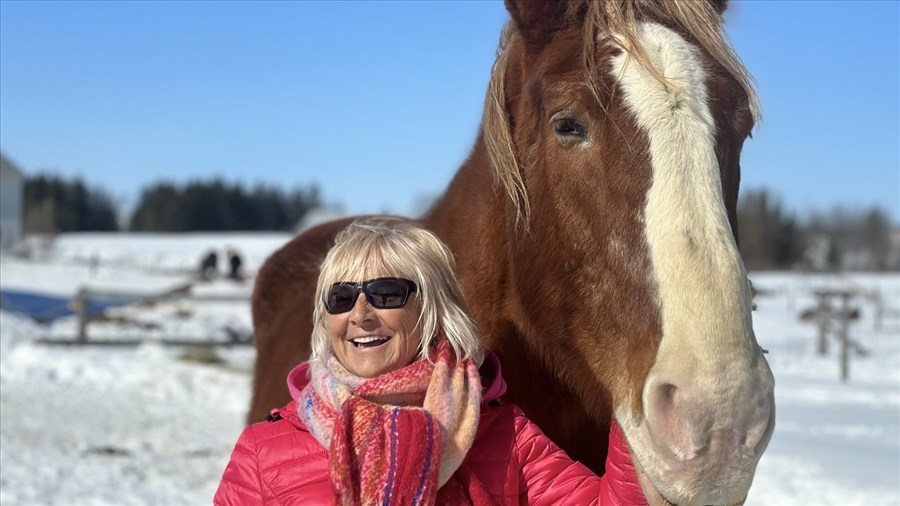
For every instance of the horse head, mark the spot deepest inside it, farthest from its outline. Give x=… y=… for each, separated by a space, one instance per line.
x=615 y=130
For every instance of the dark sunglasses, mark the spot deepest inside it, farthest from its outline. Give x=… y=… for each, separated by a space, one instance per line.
x=382 y=293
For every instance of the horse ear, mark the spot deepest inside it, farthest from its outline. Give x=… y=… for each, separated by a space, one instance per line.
x=720 y=6
x=537 y=20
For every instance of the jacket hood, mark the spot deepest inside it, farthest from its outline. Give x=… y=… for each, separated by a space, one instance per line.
x=492 y=385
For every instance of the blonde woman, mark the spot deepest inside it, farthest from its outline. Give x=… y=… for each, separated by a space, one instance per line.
x=399 y=403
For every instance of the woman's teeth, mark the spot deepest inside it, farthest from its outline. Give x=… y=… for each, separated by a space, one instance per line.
x=369 y=341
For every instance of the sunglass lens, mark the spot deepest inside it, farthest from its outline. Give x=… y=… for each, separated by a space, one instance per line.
x=387 y=293
x=341 y=298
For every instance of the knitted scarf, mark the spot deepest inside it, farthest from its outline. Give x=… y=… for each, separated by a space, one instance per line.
x=398 y=438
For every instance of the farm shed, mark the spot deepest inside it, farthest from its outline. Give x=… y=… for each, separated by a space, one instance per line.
x=12 y=189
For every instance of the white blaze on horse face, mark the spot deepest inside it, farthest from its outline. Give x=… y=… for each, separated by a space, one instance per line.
x=708 y=401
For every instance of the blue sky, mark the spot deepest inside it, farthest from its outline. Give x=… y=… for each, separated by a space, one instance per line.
x=379 y=102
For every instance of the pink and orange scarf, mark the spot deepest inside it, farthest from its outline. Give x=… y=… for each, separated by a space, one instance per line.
x=398 y=438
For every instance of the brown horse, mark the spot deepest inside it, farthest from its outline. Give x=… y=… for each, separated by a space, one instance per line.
x=594 y=231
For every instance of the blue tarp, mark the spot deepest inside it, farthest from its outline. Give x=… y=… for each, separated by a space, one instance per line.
x=46 y=308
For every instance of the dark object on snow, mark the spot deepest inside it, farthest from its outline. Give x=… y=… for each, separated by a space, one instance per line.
x=209 y=266
x=235 y=264
x=107 y=451
x=812 y=314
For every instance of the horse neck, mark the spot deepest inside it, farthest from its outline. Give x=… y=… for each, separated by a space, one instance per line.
x=470 y=216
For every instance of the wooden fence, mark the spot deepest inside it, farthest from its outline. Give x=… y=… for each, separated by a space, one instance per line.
x=81 y=305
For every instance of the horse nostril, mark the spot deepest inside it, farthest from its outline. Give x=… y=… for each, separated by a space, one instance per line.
x=665 y=399
x=669 y=392
x=669 y=419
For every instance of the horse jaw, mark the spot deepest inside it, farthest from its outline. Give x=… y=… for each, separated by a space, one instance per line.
x=702 y=431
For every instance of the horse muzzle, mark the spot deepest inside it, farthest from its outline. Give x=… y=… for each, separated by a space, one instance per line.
x=702 y=435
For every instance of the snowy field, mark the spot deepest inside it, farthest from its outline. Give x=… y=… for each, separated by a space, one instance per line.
x=155 y=425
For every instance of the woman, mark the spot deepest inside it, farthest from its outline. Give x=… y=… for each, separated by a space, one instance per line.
x=392 y=408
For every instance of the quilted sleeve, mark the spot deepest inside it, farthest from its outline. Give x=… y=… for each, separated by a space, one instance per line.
x=240 y=483
x=550 y=477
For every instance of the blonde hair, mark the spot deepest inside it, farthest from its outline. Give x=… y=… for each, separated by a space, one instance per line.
x=389 y=247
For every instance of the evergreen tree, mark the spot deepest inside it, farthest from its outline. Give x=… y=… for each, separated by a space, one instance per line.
x=53 y=204
x=217 y=206
x=768 y=237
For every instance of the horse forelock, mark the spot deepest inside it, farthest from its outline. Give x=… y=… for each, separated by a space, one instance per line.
x=700 y=21
x=498 y=135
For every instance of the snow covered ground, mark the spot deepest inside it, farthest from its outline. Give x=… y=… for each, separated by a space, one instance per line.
x=145 y=425
x=834 y=442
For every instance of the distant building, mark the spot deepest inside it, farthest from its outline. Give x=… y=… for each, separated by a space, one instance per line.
x=893 y=260
x=12 y=191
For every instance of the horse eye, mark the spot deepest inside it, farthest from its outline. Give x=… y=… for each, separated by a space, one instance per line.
x=569 y=130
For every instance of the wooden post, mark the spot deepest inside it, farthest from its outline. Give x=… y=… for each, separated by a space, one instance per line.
x=82 y=308
x=823 y=313
x=845 y=336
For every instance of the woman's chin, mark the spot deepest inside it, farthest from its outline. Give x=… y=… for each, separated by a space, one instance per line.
x=367 y=360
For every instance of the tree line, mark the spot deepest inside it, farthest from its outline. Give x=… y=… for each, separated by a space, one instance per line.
x=217 y=206
x=770 y=237
x=53 y=204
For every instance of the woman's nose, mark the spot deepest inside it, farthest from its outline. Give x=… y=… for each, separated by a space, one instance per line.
x=362 y=310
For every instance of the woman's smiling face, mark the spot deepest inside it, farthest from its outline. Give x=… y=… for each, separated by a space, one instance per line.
x=369 y=342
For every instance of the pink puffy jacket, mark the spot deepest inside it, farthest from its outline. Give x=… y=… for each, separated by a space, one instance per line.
x=280 y=462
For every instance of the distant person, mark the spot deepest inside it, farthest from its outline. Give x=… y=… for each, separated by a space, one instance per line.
x=235 y=266
x=399 y=403
x=209 y=266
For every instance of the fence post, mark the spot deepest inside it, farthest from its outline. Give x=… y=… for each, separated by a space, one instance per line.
x=82 y=308
x=879 y=310
x=823 y=313
x=844 y=336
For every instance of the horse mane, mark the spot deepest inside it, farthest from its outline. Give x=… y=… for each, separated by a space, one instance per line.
x=700 y=20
